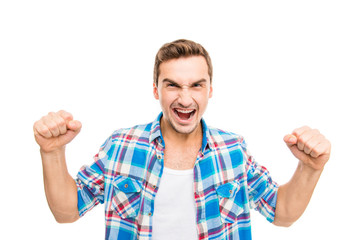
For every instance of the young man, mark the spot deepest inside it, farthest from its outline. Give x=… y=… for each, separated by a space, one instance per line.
x=177 y=178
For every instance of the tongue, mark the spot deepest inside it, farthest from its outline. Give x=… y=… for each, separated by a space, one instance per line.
x=184 y=116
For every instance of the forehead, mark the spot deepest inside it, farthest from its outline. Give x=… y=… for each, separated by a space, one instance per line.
x=184 y=69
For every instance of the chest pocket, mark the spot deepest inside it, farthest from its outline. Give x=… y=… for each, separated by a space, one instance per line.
x=230 y=201
x=126 y=196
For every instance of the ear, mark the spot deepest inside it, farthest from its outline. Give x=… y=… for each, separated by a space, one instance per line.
x=211 y=91
x=155 y=91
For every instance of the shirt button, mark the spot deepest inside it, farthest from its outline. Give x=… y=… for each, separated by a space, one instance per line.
x=150 y=214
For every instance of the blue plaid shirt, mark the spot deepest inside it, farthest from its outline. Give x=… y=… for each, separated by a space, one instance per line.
x=127 y=171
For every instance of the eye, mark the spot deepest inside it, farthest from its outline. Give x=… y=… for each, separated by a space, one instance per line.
x=197 y=85
x=172 y=85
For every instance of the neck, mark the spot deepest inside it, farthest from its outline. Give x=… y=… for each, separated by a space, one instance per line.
x=170 y=134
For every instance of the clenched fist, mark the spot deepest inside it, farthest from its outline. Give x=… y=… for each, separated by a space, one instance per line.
x=309 y=146
x=55 y=130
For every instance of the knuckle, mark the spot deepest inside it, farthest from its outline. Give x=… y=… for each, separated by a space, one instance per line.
x=296 y=132
x=52 y=126
x=301 y=139
x=316 y=131
x=64 y=114
x=299 y=131
x=61 y=122
x=44 y=118
x=302 y=129
x=322 y=138
x=43 y=131
x=314 y=154
x=36 y=124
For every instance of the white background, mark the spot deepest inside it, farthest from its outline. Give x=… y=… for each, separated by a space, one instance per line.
x=278 y=65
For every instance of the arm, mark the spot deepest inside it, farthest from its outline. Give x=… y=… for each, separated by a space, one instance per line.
x=52 y=133
x=313 y=151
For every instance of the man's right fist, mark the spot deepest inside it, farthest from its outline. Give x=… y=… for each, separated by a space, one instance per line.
x=55 y=130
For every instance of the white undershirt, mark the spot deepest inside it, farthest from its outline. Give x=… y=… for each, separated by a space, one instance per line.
x=174 y=211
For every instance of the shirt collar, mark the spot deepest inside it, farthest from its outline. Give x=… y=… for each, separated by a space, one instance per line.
x=155 y=133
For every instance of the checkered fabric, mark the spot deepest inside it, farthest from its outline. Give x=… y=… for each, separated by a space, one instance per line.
x=127 y=171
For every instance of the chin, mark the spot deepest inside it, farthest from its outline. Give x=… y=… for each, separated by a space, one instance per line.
x=184 y=129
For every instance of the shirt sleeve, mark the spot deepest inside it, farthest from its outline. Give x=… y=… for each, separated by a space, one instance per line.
x=90 y=181
x=262 y=190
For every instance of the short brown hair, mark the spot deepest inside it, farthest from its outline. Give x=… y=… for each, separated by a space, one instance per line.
x=177 y=49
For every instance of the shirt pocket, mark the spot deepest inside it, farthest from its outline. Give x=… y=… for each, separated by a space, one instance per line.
x=229 y=204
x=126 y=196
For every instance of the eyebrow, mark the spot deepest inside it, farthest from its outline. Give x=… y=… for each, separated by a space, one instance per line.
x=175 y=83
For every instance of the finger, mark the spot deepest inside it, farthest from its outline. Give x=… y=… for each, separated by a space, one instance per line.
x=50 y=122
x=298 y=131
x=65 y=115
x=61 y=123
x=74 y=125
x=305 y=136
x=321 y=149
x=40 y=129
x=315 y=140
x=71 y=124
x=290 y=140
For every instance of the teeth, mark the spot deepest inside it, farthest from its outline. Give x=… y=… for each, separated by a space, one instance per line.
x=184 y=111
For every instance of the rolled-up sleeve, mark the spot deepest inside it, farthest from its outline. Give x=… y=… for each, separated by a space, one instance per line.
x=262 y=190
x=90 y=181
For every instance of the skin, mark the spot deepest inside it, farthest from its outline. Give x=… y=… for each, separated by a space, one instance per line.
x=312 y=150
x=184 y=85
x=52 y=132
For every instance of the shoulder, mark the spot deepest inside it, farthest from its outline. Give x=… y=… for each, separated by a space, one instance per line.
x=135 y=133
x=221 y=137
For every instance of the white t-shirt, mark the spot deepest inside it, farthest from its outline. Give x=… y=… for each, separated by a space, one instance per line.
x=174 y=211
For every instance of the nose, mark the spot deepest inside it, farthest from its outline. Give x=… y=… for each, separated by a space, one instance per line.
x=185 y=97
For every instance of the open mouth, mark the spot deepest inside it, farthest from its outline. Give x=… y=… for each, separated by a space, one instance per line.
x=184 y=114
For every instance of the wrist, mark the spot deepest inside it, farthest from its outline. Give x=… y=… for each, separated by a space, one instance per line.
x=309 y=170
x=52 y=151
x=57 y=153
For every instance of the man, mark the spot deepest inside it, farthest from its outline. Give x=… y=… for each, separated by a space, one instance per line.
x=177 y=178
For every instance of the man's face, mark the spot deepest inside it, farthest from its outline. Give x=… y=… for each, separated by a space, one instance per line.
x=183 y=89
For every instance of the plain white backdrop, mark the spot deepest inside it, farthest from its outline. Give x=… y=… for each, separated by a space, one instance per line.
x=278 y=65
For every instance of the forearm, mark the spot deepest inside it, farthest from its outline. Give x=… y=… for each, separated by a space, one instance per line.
x=60 y=187
x=294 y=196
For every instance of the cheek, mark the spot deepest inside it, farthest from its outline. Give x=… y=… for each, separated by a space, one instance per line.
x=167 y=97
x=201 y=97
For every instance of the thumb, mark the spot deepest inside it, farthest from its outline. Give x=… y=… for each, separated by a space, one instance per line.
x=74 y=128
x=74 y=125
x=290 y=140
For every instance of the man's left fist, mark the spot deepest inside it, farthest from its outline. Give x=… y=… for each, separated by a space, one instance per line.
x=309 y=146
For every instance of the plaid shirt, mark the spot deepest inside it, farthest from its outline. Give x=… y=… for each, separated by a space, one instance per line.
x=126 y=176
